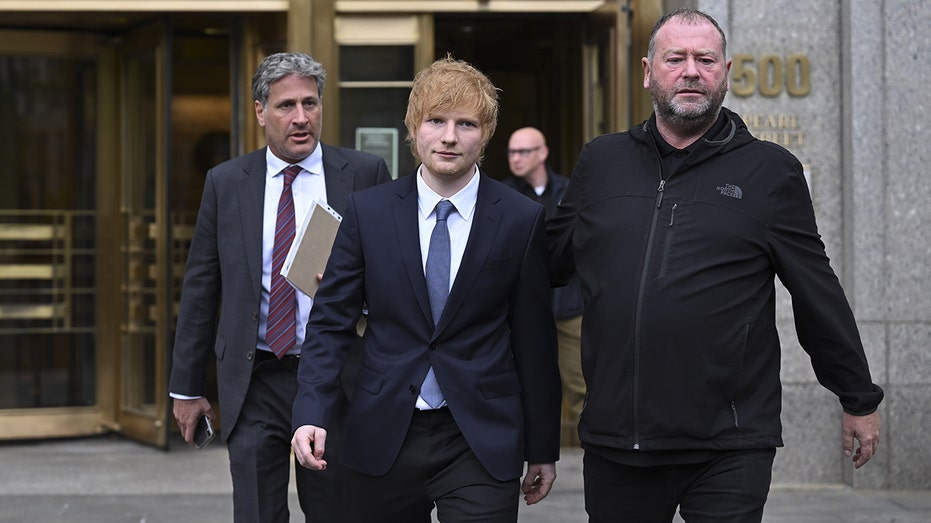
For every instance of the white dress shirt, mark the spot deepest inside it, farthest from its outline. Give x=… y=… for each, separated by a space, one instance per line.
x=308 y=186
x=459 y=224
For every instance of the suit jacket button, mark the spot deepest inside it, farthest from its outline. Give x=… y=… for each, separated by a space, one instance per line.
x=255 y=316
x=412 y=389
x=434 y=346
x=250 y=355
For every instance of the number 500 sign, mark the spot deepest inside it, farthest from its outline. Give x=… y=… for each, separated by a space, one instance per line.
x=770 y=75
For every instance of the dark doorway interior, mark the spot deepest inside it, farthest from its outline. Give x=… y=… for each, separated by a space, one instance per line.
x=536 y=61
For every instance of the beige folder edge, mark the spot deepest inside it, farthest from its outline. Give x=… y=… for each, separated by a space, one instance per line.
x=311 y=248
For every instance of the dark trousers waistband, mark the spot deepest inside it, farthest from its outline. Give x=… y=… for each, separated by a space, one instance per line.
x=267 y=358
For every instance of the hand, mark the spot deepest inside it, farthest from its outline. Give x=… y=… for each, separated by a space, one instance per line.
x=188 y=412
x=865 y=429
x=308 y=443
x=538 y=481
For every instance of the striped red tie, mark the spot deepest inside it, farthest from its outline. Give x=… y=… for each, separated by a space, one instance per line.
x=281 y=305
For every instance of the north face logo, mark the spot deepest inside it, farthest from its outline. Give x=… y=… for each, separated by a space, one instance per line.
x=732 y=191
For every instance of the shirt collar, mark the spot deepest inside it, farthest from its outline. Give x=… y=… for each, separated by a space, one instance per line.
x=312 y=164
x=464 y=200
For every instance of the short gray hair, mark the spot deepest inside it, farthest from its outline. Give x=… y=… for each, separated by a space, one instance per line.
x=279 y=65
x=690 y=16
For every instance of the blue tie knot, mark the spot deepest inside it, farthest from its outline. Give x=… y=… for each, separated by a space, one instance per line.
x=443 y=209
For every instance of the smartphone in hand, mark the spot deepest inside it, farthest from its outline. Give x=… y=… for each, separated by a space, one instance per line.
x=204 y=432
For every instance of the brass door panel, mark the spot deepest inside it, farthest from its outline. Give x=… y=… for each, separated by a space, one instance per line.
x=48 y=352
x=144 y=67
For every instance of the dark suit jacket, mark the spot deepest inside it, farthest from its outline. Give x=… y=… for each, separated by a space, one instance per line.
x=493 y=350
x=224 y=271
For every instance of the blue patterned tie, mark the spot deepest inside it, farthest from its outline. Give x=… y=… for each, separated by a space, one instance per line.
x=437 y=274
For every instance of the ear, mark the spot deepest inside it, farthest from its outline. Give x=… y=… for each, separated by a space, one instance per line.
x=545 y=152
x=728 y=66
x=260 y=113
x=646 y=72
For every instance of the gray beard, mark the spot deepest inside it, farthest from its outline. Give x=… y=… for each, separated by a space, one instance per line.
x=688 y=121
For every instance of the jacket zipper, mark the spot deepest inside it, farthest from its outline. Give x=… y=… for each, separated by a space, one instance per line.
x=667 y=245
x=643 y=281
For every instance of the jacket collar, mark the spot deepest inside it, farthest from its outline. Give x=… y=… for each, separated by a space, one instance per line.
x=724 y=136
x=728 y=133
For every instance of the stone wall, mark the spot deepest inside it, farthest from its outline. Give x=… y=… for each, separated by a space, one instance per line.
x=861 y=127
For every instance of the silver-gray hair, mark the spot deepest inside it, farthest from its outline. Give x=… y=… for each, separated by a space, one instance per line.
x=279 y=65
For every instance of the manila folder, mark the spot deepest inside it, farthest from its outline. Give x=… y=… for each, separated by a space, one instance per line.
x=311 y=248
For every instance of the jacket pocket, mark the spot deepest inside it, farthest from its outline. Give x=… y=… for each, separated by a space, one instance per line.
x=667 y=245
x=219 y=348
x=498 y=385
x=369 y=380
x=739 y=358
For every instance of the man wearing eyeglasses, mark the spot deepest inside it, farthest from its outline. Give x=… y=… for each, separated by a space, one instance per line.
x=534 y=178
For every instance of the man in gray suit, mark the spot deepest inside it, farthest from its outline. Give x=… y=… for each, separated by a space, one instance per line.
x=246 y=218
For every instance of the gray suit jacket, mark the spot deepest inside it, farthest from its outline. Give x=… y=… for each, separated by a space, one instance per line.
x=224 y=271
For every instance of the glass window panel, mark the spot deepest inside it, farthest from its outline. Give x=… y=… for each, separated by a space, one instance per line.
x=47 y=224
x=376 y=107
x=381 y=63
x=139 y=250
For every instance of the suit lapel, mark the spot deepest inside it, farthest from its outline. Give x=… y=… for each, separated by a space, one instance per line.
x=252 y=202
x=485 y=224
x=406 y=225
x=338 y=181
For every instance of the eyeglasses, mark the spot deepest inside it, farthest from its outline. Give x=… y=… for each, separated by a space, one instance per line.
x=523 y=153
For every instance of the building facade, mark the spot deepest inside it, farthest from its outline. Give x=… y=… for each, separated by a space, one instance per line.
x=111 y=111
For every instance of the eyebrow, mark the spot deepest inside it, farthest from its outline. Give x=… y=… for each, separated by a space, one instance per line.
x=699 y=52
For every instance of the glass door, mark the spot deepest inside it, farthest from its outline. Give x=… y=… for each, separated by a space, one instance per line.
x=176 y=122
x=105 y=144
x=599 y=70
x=48 y=275
x=145 y=235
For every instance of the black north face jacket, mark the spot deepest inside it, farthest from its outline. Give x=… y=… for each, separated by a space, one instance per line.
x=679 y=342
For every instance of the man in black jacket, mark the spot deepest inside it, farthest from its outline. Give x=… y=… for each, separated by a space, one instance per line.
x=677 y=229
x=535 y=179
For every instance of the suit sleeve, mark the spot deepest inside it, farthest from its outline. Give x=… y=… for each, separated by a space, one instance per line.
x=533 y=341
x=823 y=318
x=199 y=307
x=331 y=328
